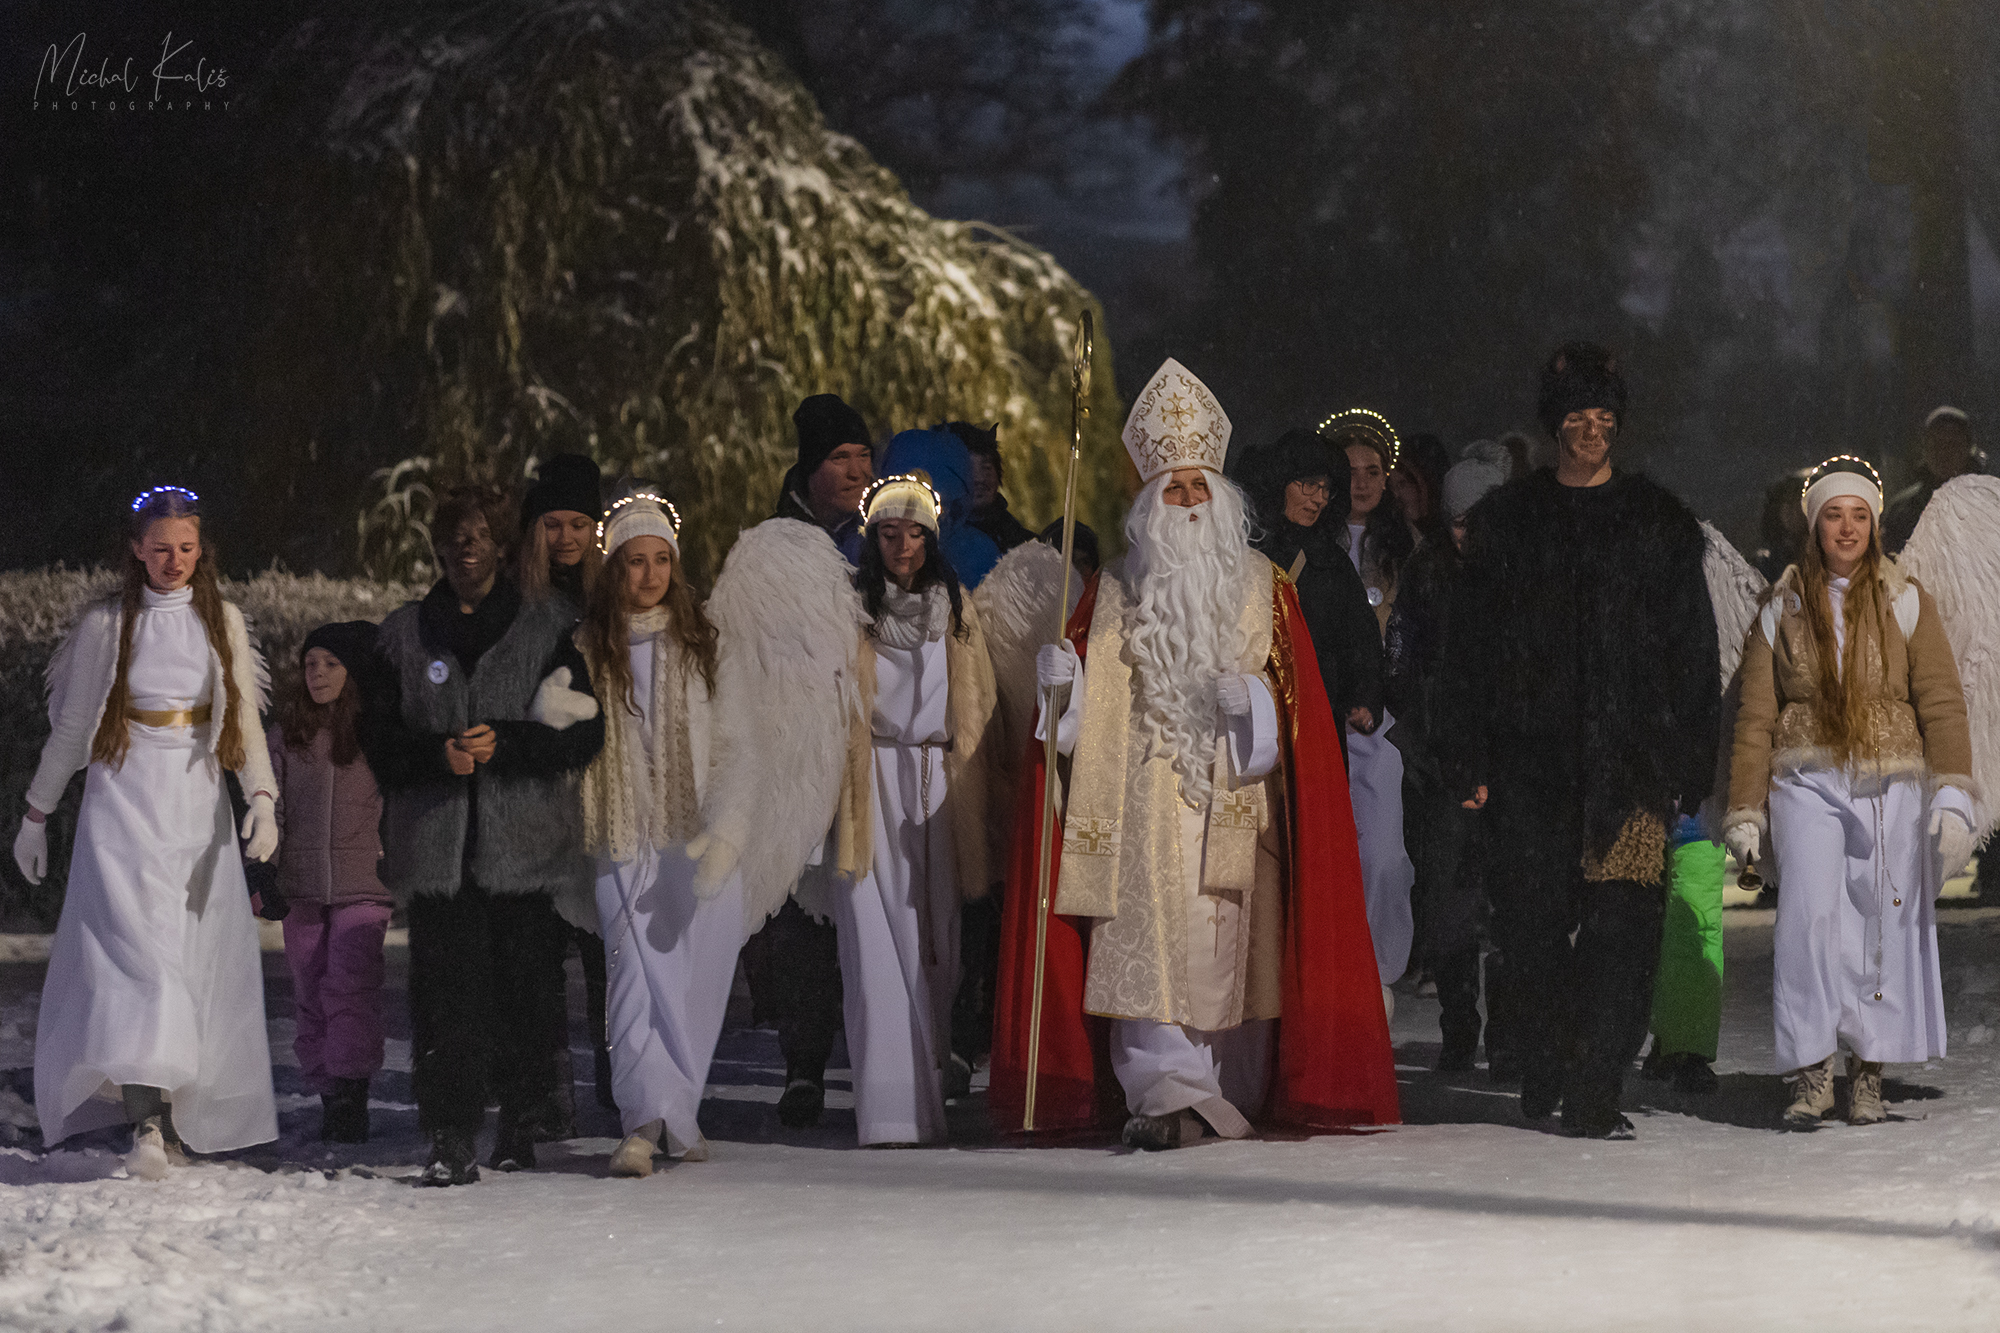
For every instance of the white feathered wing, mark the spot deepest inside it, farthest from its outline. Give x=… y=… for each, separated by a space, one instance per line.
x=790 y=622
x=1017 y=610
x=1736 y=591
x=1955 y=554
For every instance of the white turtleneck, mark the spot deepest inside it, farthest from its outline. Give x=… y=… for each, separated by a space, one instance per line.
x=170 y=653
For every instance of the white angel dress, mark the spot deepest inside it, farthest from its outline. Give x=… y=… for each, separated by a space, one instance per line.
x=155 y=977
x=670 y=956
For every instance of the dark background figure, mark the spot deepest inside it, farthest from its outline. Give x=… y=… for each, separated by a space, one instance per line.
x=559 y=555
x=793 y=963
x=1419 y=485
x=1946 y=451
x=1083 y=552
x=1442 y=837
x=942 y=457
x=1293 y=483
x=1581 y=703
x=990 y=513
x=1782 y=528
x=480 y=824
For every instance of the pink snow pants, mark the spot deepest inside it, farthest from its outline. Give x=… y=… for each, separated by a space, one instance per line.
x=336 y=959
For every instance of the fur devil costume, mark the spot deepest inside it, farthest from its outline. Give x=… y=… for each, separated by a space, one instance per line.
x=1582 y=689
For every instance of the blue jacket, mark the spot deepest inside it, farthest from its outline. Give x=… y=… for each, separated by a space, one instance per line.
x=972 y=553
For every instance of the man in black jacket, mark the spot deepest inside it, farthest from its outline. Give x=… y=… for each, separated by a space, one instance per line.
x=480 y=828
x=1582 y=710
x=990 y=513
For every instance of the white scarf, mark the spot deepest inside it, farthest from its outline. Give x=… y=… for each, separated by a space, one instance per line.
x=634 y=791
x=912 y=619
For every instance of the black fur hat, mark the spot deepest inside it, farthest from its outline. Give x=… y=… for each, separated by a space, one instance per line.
x=1580 y=375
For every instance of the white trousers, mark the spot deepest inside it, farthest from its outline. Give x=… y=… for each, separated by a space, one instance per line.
x=898 y=933
x=670 y=959
x=1375 y=785
x=1855 y=947
x=1165 y=1067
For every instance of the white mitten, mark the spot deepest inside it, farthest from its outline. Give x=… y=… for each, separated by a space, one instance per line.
x=714 y=861
x=1746 y=840
x=1232 y=692
x=31 y=849
x=557 y=705
x=1954 y=841
x=1056 y=664
x=260 y=828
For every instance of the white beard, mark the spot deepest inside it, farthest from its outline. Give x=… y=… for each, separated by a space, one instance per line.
x=1187 y=625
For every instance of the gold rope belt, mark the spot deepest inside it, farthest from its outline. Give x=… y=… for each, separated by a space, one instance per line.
x=170 y=717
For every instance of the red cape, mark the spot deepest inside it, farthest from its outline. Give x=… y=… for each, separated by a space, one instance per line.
x=1334 y=1067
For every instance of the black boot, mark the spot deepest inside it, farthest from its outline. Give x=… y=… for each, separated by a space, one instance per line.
x=452 y=1160
x=802 y=1103
x=344 y=1112
x=514 y=1142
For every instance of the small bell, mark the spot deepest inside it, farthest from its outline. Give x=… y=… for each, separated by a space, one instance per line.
x=1878 y=995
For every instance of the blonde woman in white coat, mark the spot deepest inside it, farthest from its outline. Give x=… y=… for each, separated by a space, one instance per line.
x=153 y=1008
x=671 y=957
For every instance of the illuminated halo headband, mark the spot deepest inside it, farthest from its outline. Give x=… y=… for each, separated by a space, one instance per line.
x=144 y=498
x=1372 y=424
x=612 y=515
x=1831 y=467
x=907 y=495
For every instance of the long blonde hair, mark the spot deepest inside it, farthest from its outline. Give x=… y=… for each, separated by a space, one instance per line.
x=606 y=631
x=531 y=565
x=1840 y=702
x=114 y=734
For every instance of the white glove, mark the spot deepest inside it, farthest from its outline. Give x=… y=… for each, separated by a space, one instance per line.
x=1056 y=664
x=1232 y=692
x=1746 y=840
x=1954 y=841
x=557 y=705
x=714 y=860
x=260 y=828
x=31 y=849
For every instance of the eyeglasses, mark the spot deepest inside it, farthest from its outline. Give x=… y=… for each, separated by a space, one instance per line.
x=1315 y=488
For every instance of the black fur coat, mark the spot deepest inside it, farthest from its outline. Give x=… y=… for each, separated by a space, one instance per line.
x=1581 y=669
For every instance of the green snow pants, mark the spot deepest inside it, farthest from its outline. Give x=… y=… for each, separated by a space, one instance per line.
x=1687 y=989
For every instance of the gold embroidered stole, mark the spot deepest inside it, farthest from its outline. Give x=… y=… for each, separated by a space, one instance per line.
x=1121 y=832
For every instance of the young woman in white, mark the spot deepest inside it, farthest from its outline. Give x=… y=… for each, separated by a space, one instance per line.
x=1853 y=756
x=671 y=956
x=153 y=1009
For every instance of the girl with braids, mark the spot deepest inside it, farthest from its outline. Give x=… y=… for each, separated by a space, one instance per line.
x=153 y=1011
x=1853 y=755
x=671 y=957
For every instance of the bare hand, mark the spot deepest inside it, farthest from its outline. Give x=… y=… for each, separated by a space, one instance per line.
x=456 y=755
x=1361 y=720
x=478 y=742
x=1478 y=801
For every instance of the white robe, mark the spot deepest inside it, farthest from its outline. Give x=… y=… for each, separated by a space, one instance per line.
x=670 y=957
x=155 y=976
x=898 y=925
x=1375 y=785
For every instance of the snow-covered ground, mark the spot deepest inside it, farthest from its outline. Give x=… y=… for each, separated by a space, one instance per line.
x=1463 y=1218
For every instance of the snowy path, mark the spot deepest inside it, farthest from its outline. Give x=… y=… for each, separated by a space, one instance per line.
x=1464 y=1218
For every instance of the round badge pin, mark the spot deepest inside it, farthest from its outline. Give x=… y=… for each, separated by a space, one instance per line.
x=438 y=672
x=1374 y=597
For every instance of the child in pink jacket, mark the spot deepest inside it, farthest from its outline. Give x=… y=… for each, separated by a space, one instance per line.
x=328 y=811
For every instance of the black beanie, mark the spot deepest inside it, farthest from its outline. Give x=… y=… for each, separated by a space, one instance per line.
x=825 y=423
x=567 y=481
x=349 y=640
x=1577 y=377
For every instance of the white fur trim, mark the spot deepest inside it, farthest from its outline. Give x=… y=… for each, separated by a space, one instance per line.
x=790 y=625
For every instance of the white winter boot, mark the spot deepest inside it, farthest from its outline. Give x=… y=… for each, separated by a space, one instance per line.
x=148 y=1158
x=633 y=1159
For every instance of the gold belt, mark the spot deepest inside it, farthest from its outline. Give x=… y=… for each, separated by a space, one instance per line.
x=170 y=717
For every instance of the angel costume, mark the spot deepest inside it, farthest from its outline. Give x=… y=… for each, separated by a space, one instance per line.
x=1207 y=946
x=882 y=734
x=155 y=977
x=670 y=955
x=1855 y=945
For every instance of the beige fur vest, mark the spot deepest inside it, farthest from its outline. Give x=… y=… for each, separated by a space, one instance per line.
x=1916 y=708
